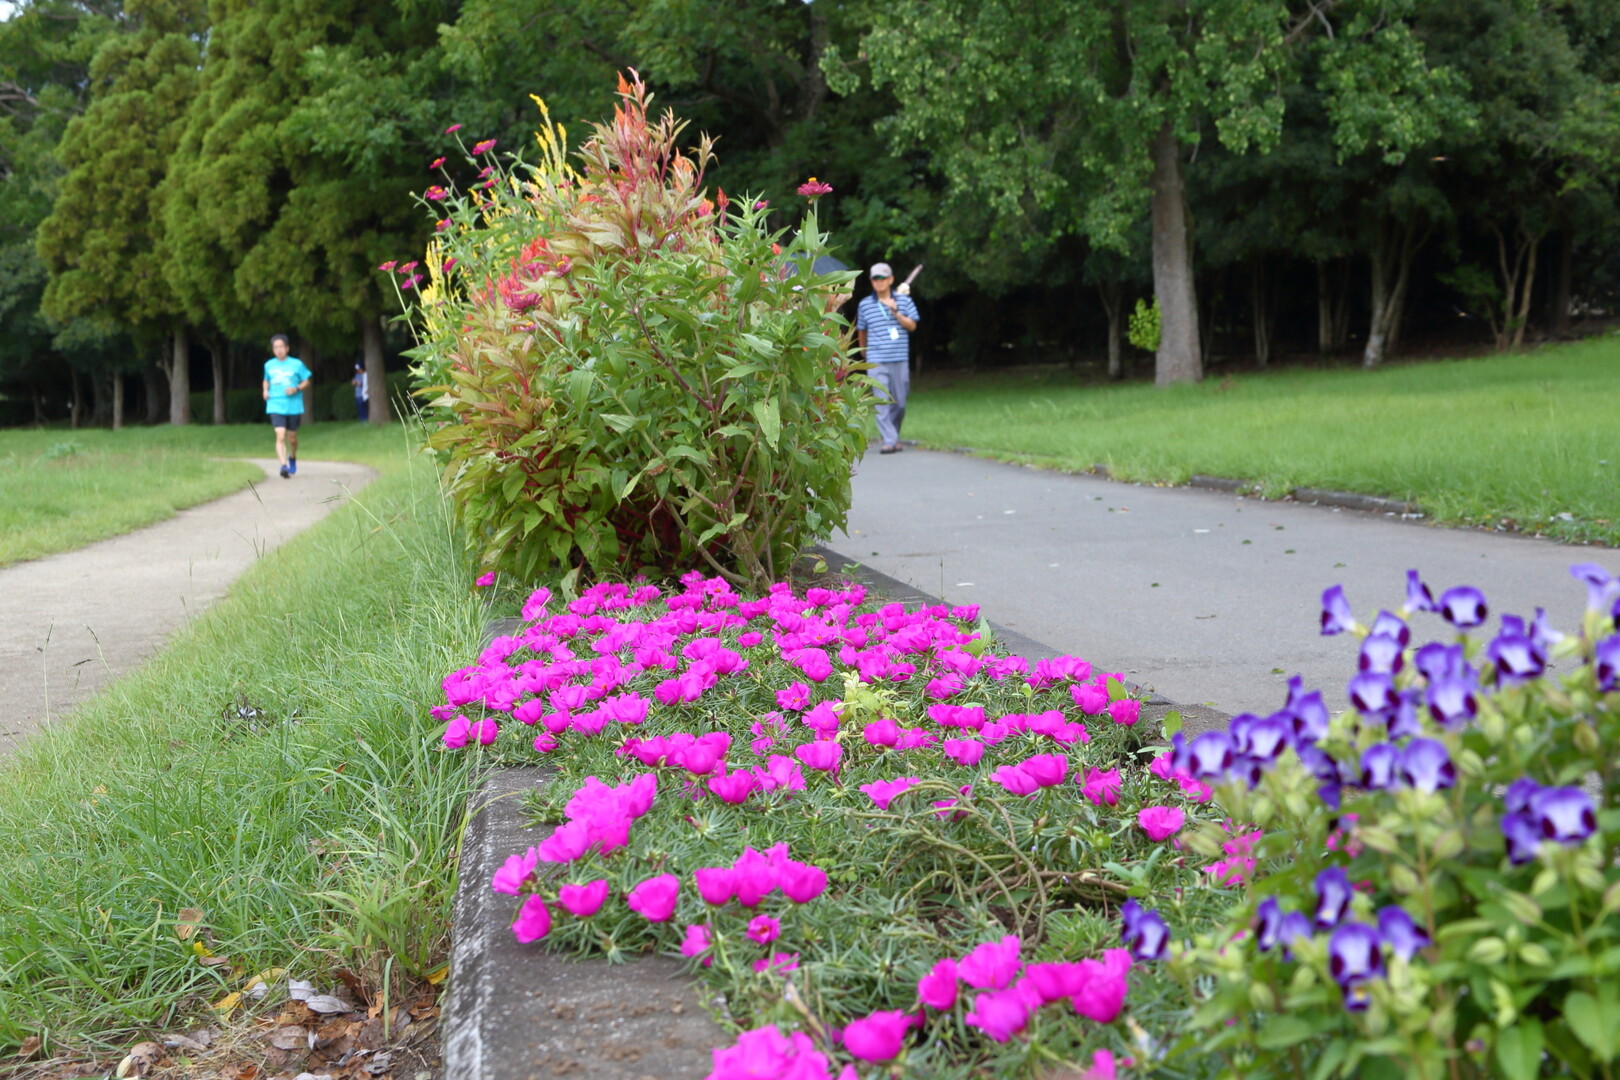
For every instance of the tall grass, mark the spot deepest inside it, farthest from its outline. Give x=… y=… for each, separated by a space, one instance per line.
x=319 y=831
x=1519 y=439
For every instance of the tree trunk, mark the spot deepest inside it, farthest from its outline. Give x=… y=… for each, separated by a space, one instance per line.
x=1558 y=323
x=77 y=415
x=1518 y=269
x=376 y=378
x=180 y=379
x=1262 y=315
x=1113 y=301
x=216 y=355
x=152 y=380
x=1179 y=358
x=1341 y=309
x=100 y=401
x=118 y=401
x=1332 y=306
x=1395 y=245
x=39 y=404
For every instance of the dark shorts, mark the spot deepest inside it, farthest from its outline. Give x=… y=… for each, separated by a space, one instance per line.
x=290 y=421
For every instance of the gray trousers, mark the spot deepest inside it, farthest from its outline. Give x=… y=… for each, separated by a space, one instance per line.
x=894 y=382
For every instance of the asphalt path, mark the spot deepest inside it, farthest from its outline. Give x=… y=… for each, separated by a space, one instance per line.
x=1206 y=597
x=72 y=622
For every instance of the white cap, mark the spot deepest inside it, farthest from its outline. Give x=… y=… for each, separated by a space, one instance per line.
x=881 y=270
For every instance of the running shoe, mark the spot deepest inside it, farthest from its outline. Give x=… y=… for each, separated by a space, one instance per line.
x=284 y=473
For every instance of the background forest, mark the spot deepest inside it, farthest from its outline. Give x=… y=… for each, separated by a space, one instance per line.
x=1292 y=180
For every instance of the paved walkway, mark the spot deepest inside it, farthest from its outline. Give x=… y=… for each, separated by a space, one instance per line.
x=1205 y=597
x=70 y=623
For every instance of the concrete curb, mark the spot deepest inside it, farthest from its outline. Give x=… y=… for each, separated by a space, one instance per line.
x=1345 y=500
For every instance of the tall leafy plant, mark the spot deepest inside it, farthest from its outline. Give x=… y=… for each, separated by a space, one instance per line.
x=628 y=376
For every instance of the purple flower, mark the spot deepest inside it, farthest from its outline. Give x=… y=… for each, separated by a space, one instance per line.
x=1353 y=957
x=1541 y=631
x=1388 y=625
x=1600 y=586
x=1308 y=710
x=1437 y=660
x=1373 y=694
x=1452 y=701
x=1405 y=720
x=1517 y=658
x=1144 y=933
x=1210 y=755
x=1295 y=926
x=1268 y=919
x=1564 y=814
x=1418 y=596
x=1381 y=654
x=1426 y=765
x=1522 y=835
x=1333 y=893
x=1606 y=663
x=1378 y=764
x=1336 y=617
x=1400 y=933
x=1519 y=793
x=1463 y=607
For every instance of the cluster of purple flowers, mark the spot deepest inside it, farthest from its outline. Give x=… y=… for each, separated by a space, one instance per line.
x=1535 y=813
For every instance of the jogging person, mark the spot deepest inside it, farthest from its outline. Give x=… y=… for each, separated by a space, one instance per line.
x=884 y=322
x=285 y=379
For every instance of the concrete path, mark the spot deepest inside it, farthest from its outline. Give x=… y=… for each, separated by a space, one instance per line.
x=1207 y=598
x=72 y=622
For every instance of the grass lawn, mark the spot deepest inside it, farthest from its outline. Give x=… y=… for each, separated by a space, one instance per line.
x=317 y=833
x=63 y=489
x=1511 y=441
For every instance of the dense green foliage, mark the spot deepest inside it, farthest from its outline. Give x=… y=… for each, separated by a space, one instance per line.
x=1355 y=174
x=630 y=376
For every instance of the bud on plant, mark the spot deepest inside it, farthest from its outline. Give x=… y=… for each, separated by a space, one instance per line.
x=1532 y=953
x=1521 y=907
x=1611 y=899
x=1448 y=844
x=1378 y=838
x=1488 y=951
x=1545 y=881
x=1589 y=876
x=1261 y=997
x=1403 y=880
x=1586 y=738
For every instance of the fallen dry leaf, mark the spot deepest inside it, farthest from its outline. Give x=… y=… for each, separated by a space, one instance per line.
x=190 y=919
x=291 y=1037
x=326 y=1003
x=229 y=1002
x=141 y=1060
x=299 y=990
x=30 y=1046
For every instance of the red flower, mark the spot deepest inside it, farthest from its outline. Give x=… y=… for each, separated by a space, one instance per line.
x=484 y=147
x=436 y=163
x=441 y=225
x=406 y=268
x=387 y=266
x=813 y=188
x=452 y=129
x=435 y=193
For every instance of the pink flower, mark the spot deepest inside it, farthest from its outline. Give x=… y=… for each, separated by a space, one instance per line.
x=755 y=876
x=1047 y=770
x=734 y=788
x=457 y=732
x=1106 y=986
x=1055 y=981
x=406 y=268
x=388 y=266
x=795 y=697
x=441 y=225
x=436 y=162
x=535 y=605
x=822 y=754
x=1125 y=711
x=802 y=882
x=566 y=843
x=452 y=129
x=1015 y=780
x=696 y=943
x=483 y=147
x=411 y=282
x=435 y=194
x=1000 y=1014
x=883 y=792
x=716 y=884
x=964 y=751
x=1159 y=821
x=937 y=989
x=449 y=264
x=814 y=189
x=583 y=901
x=762 y=929
x=533 y=921
x=517 y=869
x=485 y=580
x=1102 y=1066
x=1102 y=787
x=1236 y=869
x=942 y=807
x=485 y=731
x=878 y=1037
x=992 y=965
x=1092 y=700
x=655 y=897
x=883 y=732
x=544 y=743
x=781 y=963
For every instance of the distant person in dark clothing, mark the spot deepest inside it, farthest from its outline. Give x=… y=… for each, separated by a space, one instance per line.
x=362 y=399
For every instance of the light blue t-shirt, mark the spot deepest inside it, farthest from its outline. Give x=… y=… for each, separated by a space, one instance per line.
x=281 y=374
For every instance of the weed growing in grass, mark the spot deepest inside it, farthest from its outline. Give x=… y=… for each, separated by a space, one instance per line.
x=306 y=843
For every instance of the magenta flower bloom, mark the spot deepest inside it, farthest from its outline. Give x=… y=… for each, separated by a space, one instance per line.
x=1125 y=711
x=801 y=882
x=1102 y=787
x=781 y=963
x=485 y=580
x=992 y=965
x=814 y=189
x=655 y=897
x=458 y=732
x=756 y=877
x=884 y=792
x=517 y=870
x=533 y=921
x=1106 y=986
x=696 y=943
x=485 y=731
x=822 y=754
x=1091 y=699
x=716 y=884
x=964 y=751
x=452 y=129
x=1102 y=1066
x=435 y=194
x=763 y=929
x=1000 y=1014
x=483 y=147
x=535 y=605
x=1336 y=617
x=883 y=732
x=1015 y=780
x=734 y=788
x=436 y=162
x=878 y=1037
x=1047 y=770
x=937 y=989
x=795 y=697
x=1159 y=822
x=388 y=266
x=583 y=901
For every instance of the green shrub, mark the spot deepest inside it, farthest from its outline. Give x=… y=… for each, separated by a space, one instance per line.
x=627 y=376
x=1144 y=328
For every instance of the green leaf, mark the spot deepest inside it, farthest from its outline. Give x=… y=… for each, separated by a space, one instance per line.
x=1328 y=1064
x=1593 y=1019
x=617 y=421
x=1172 y=724
x=770 y=420
x=1116 y=689
x=579 y=386
x=1283 y=1031
x=1518 y=1049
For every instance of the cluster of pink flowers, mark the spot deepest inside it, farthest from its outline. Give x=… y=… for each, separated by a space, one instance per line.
x=1012 y=991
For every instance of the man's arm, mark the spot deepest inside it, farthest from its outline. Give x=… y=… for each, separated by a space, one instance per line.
x=860 y=336
x=906 y=322
x=267 y=389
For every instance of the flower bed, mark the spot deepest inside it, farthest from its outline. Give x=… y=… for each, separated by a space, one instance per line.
x=883 y=845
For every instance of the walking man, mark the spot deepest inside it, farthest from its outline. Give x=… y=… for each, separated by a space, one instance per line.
x=883 y=324
x=362 y=398
x=285 y=379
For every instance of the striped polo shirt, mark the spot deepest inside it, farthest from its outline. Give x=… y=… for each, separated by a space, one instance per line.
x=887 y=341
